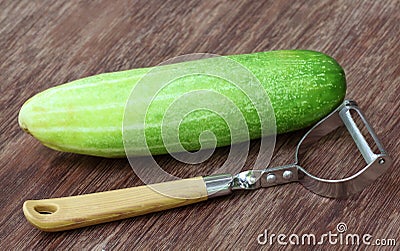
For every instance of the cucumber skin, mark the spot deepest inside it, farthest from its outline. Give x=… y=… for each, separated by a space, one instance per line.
x=85 y=116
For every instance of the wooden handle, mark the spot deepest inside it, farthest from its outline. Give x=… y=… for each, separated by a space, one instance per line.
x=66 y=213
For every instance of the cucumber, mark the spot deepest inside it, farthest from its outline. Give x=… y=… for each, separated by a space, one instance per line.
x=86 y=116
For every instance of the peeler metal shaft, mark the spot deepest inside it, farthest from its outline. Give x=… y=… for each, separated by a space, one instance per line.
x=223 y=184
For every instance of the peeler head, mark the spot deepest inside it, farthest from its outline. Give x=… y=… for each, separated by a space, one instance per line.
x=376 y=163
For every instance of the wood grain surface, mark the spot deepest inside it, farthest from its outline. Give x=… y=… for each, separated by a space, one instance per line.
x=46 y=43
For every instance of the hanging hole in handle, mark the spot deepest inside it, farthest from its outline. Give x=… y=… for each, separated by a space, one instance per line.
x=45 y=209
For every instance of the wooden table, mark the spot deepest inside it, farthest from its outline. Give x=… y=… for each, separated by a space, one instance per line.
x=46 y=43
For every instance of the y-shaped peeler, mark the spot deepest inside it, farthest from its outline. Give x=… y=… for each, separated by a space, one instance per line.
x=83 y=210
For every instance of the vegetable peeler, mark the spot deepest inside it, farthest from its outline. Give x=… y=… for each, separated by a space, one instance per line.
x=66 y=213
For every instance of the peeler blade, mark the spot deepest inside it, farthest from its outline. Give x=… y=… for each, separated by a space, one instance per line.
x=376 y=162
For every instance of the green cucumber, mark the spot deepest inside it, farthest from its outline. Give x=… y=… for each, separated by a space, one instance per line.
x=86 y=116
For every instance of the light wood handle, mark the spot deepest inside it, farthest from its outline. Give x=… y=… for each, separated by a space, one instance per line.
x=66 y=213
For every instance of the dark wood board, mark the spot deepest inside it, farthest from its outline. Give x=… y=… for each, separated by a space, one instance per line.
x=46 y=43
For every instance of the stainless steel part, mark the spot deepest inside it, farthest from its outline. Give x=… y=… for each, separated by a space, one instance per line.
x=376 y=163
